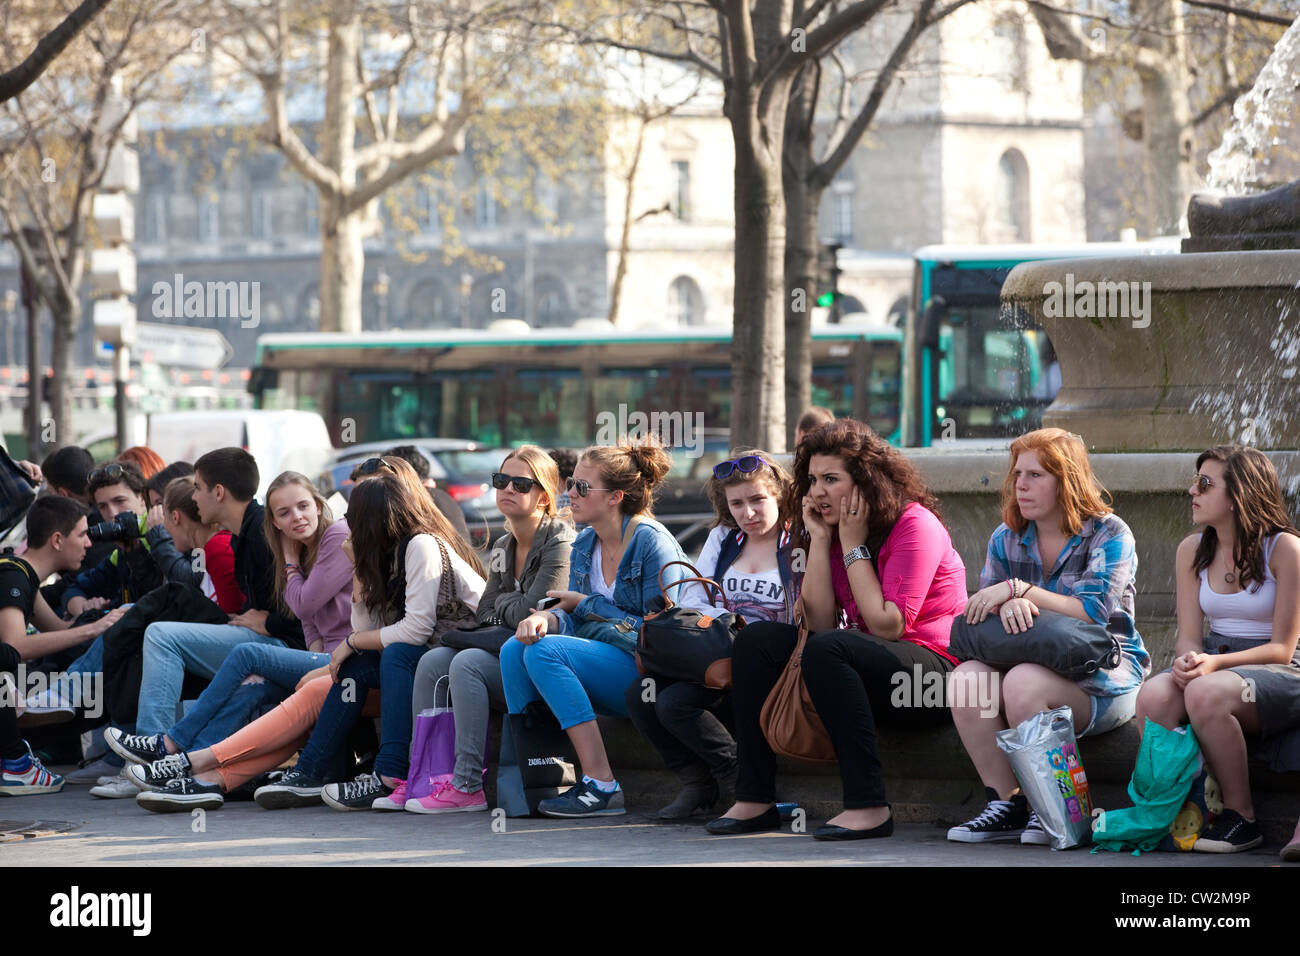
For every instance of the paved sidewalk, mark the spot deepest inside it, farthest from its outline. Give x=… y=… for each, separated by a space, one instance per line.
x=118 y=833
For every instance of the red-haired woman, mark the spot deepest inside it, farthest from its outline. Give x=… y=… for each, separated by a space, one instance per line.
x=1060 y=560
x=1242 y=574
x=881 y=587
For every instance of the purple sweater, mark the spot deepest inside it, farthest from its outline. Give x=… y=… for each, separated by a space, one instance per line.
x=323 y=599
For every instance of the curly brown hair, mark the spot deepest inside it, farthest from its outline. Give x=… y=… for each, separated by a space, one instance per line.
x=887 y=480
x=1250 y=482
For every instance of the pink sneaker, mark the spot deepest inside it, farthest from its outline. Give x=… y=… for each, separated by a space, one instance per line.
x=447 y=799
x=394 y=801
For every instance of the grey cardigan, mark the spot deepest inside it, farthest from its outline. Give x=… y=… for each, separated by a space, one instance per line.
x=546 y=568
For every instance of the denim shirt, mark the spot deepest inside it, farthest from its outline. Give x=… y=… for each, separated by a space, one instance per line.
x=635 y=585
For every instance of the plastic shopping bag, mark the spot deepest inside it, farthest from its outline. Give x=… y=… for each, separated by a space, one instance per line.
x=1045 y=758
x=433 y=749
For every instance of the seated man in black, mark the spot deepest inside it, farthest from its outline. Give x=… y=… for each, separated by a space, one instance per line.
x=56 y=541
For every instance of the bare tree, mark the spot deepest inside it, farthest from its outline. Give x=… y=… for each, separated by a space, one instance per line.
x=14 y=81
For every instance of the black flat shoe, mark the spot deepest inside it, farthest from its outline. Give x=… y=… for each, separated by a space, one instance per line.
x=828 y=832
x=769 y=819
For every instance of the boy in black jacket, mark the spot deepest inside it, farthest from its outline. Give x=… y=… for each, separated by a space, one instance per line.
x=225 y=481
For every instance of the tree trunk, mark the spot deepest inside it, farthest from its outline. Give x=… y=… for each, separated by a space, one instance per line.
x=66 y=315
x=342 y=256
x=758 y=322
x=620 y=271
x=1167 y=120
x=801 y=248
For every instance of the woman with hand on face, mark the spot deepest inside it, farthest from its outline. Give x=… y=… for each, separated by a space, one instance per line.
x=881 y=587
x=684 y=721
x=1242 y=574
x=526 y=562
x=1060 y=562
x=313 y=580
x=577 y=656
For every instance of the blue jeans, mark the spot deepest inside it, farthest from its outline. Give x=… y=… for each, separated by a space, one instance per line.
x=393 y=672
x=174 y=648
x=92 y=661
x=576 y=677
x=229 y=703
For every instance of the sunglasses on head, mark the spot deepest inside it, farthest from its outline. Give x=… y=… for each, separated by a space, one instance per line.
x=1202 y=483
x=522 y=485
x=372 y=465
x=581 y=488
x=746 y=465
x=110 y=472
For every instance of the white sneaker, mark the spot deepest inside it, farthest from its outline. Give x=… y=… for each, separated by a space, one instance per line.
x=47 y=707
x=94 y=773
x=118 y=788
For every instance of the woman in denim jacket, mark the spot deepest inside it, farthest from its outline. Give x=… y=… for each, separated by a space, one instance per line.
x=577 y=655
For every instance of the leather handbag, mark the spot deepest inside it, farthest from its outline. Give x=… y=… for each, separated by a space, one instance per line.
x=452 y=612
x=1065 y=645
x=788 y=718
x=683 y=644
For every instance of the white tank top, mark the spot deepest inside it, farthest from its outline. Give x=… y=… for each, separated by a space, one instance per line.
x=1246 y=614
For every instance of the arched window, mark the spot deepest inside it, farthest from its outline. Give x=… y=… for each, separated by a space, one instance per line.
x=430 y=306
x=1013 y=197
x=551 y=302
x=685 y=302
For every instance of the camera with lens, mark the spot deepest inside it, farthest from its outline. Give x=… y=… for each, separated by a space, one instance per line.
x=122 y=528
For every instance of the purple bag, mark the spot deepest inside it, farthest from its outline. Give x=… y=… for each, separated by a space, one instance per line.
x=433 y=748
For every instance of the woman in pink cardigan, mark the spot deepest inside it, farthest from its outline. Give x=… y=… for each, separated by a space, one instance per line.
x=881 y=586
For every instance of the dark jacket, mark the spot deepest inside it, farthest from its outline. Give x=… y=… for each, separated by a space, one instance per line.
x=255 y=572
x=734 y=543
x=125 y=576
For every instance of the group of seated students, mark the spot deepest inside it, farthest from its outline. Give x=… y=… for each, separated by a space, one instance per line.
x=303 y=624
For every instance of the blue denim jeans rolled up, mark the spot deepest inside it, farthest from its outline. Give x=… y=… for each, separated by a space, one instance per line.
x=576 y=677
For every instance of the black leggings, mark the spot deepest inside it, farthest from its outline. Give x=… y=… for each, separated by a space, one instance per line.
x=850 y=678
x=11 y=742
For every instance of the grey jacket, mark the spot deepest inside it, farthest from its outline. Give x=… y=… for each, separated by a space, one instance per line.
x=546 y=568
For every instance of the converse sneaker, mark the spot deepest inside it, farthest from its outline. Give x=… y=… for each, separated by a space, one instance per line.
x=358 y=794
x=294 y=789
x=30 y=782
x=95 y=772
x=181 y=794
x=156 y=775
x=1230 y=833
x=1034 y=834
x=135 y=748
x=1001 y=820
x=119 y=788
x=584 y=800
x=394 y=801
x=447 y=799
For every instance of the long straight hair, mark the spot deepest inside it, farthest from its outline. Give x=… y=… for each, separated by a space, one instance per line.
x=275 y=537
x=1078 y=492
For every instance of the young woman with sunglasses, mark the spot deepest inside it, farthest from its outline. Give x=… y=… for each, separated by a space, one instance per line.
x=1242 y=574
x=577 y=655
x=526 y=562
x=685 y=721
x=881 y=587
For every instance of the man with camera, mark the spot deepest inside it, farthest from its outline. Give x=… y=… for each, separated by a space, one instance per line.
x=145 y=555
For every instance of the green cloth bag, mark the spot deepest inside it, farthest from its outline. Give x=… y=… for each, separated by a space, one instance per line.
x=1167 y=763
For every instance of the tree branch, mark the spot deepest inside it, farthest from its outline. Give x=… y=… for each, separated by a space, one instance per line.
x=51 y=45
x=1243 y=12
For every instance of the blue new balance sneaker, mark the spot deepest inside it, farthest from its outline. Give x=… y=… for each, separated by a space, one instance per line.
x=584 y=800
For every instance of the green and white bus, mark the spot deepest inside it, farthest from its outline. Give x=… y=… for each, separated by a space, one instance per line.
x=972 y=369
x=508 y=385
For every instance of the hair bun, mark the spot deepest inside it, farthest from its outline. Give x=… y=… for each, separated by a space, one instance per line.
x=651 y=460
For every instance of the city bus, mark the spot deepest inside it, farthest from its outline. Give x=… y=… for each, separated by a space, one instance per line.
x=507 y=384
x=974 y=369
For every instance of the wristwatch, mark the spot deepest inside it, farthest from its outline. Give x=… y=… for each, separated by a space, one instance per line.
x=859 y=553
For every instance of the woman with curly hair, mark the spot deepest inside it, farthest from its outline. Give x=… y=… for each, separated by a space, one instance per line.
x=881 y=587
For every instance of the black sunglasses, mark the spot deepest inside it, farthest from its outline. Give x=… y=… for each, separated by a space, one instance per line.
x=522 y=485
x=581 y=487
x=746 y=465
x=372 y=465
x=110 y=472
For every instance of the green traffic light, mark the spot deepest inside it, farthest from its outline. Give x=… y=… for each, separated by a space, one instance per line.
x=826 y=299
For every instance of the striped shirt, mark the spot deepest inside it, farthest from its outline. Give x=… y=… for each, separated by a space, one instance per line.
x=1099 y=567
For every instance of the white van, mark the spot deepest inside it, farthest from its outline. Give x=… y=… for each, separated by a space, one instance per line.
x=279 y=440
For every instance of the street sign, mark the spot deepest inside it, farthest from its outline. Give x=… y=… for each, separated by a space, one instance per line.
x=180 y=345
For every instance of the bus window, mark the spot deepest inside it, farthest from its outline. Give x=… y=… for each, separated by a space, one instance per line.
x=388 y=405
x=476 y=401
x=884 y=388
x=547 y=407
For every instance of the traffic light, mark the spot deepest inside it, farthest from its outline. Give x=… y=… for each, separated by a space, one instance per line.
x=828 y=279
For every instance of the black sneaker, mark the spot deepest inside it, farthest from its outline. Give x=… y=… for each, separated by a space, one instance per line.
x=134 y=747
x=358 y=794
x=1230 y=833
x=182 y=794
x=1001 y=820
x=294 y=789
x=156 y=775
x=584 y=800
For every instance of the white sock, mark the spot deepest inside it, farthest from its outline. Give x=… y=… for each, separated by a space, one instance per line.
x=608 y=786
